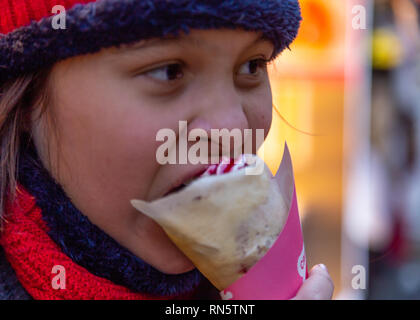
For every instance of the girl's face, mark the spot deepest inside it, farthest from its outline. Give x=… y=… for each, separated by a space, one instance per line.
x=109 y=106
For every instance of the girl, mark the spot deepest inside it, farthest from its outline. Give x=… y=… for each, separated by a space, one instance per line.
x=80 y=107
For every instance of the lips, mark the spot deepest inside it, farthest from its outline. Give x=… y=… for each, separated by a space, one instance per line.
x=183 y=182
x=225 y=166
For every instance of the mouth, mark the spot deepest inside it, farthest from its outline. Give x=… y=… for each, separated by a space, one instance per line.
x=178 y=186
x=226 y=165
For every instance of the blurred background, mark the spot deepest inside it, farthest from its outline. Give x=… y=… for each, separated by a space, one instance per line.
x=347 y=102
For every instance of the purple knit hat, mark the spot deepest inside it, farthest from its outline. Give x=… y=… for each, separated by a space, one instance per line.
x=28 y=42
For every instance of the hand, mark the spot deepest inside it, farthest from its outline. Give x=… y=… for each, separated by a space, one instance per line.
x=318 y=286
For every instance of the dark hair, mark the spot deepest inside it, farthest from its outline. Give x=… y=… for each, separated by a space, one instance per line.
x=18 y=99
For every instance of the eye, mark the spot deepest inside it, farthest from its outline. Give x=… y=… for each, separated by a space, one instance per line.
x=253 y=66
x=168 y=72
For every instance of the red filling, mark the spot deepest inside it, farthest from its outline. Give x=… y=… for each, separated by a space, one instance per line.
x=225 y=166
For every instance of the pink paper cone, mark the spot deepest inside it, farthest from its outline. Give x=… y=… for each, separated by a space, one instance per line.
x=282 y=270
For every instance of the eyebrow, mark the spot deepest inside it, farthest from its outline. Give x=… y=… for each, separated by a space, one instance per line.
x=169 y=40
x=158 y=42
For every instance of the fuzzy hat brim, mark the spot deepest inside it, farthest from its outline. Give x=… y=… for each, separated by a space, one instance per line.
x=106 y=23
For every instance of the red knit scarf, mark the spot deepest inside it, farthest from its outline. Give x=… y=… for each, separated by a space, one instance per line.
x=33 y=255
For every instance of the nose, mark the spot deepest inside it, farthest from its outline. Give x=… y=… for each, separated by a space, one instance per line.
x=221 y=118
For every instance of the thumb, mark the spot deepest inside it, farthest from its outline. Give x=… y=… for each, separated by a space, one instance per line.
x=318 y=286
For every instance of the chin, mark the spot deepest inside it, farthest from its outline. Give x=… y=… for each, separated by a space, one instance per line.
x=177 y=268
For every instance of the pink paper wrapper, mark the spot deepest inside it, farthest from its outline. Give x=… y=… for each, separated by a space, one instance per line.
x=282 y=270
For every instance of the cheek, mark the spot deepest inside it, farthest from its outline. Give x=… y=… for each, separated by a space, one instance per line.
x=259 y=109
x=130 y=152
x=110 y=144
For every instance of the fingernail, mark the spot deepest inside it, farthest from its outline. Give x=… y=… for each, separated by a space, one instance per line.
x=322 y=267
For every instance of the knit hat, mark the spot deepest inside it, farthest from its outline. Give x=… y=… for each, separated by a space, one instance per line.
x=28 y=41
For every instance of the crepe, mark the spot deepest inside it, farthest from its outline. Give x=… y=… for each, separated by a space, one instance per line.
x=223 y=223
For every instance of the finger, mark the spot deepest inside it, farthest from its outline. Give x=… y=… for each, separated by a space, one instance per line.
x=318 y=286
